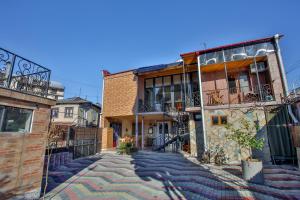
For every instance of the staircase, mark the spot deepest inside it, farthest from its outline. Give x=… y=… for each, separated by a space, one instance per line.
x=180 y=134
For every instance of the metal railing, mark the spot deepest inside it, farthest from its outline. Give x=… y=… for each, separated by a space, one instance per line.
x=160 y=107
x=18 y=73
x=193 y=100
x=238 y=95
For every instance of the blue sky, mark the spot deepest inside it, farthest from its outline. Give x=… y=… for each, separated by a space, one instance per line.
x=78 y=39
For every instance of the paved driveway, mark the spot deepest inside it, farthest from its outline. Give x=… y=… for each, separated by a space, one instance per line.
x=151 y=175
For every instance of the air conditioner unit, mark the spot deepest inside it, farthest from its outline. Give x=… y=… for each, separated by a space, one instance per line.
x=260 y=67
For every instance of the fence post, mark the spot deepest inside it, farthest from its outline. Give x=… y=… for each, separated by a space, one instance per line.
x=11 y=71
x=68 y=137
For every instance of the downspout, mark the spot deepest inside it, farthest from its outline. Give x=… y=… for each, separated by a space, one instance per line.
x=202 y=105
x=283 y=76
x=136 y=114
x=102 y=99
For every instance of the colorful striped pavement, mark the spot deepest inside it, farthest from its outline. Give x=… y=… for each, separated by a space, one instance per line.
x=152 y=175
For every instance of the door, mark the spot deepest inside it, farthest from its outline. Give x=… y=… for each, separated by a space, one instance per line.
x=162 y=132
x=117 y=128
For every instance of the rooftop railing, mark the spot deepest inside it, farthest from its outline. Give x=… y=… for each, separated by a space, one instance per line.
x=20 y=74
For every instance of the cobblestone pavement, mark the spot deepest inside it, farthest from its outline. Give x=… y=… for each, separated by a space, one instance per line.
x=151 y=175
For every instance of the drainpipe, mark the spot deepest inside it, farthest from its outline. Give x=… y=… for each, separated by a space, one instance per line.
x=283 y=76
x=102 y=99
x=202 y=105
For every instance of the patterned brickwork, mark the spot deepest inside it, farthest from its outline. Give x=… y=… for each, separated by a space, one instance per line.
x=149 y=175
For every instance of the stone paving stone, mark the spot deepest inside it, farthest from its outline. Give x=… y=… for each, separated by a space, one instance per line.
x=152 y=175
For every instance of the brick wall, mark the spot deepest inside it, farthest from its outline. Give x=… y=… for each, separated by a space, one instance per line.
x=275 y=76
x=119 y=96
x=22 y=154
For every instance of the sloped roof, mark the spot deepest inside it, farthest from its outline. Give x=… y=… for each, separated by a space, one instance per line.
x=76 y=100
x=156 y=67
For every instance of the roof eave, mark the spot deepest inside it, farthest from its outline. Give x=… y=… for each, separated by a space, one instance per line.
x=249 y=42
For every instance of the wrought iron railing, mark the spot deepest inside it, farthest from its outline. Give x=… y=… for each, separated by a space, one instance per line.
x=18 y=73
x=238 y=95
x=160 y=107
x=193 y=100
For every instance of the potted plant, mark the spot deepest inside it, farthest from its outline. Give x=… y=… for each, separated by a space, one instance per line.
x=126 y=145
x=244 y=136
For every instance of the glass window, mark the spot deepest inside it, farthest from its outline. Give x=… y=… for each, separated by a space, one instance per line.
x=68 y=112
x=167 y=80
x=158 y=94
x=15 y=119
x=149 y=97
x=167 y=93
x=177 y=93
x=215 y=120
x=54 y=112
x=149 y=83
x=176 y=79
x=223 y=120
x=158 y=82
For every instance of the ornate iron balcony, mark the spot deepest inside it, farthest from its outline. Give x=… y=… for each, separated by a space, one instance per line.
x=20 y=74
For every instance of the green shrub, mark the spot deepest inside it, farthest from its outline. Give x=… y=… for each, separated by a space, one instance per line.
x=126 y=147
x=244 y=136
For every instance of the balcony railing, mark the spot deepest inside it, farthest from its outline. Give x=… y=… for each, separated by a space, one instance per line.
x=238 y=95
x=160 y=107
x=18 y=73
x=193 y=100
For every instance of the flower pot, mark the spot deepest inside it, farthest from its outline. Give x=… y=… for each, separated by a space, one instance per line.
x=253 y=171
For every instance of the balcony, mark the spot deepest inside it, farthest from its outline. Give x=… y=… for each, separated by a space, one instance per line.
x=160 y=107
x=238 y=95
x=20 y=74
x=193 y=100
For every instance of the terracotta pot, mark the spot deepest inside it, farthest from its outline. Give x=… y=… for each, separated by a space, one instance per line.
x=253 y=171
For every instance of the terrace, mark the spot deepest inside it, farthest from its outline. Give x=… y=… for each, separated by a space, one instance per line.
x=20 y=74
x=236 y=75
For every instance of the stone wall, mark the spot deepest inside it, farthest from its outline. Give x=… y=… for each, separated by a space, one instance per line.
x=22 y=154
x=216 y=134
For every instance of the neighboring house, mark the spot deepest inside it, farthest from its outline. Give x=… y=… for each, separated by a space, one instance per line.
x=56 y=90
x=76 y=111
x=24 y=122
x=163 y=104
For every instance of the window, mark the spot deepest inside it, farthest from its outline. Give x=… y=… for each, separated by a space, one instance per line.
x=54 y=112
x=232 y=84
x=223 y=120
x=68 y=112
x=149 y=83
x=15 y=119
x=219 y=120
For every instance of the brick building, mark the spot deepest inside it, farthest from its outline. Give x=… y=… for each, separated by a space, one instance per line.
x=24 y=122
x=193 y=99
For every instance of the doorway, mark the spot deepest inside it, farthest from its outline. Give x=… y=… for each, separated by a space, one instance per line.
x=162 y=133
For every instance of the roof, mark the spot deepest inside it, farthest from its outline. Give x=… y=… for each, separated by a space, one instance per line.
x=156 y=67
x=76 y=100
x=249 y=42
x=57 y=85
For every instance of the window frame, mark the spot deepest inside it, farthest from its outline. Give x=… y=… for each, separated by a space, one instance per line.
x=67 y=115
x=219 y=117
x=3 y=117
x=52 y=112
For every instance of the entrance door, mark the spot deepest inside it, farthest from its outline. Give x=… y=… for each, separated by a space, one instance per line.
x=162 y=132
x=117 y=129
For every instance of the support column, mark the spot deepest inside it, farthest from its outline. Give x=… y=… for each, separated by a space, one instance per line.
x=226 y=74
x=258 y=81
x=202 y=104
x=142 y=132
x=136 y=130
